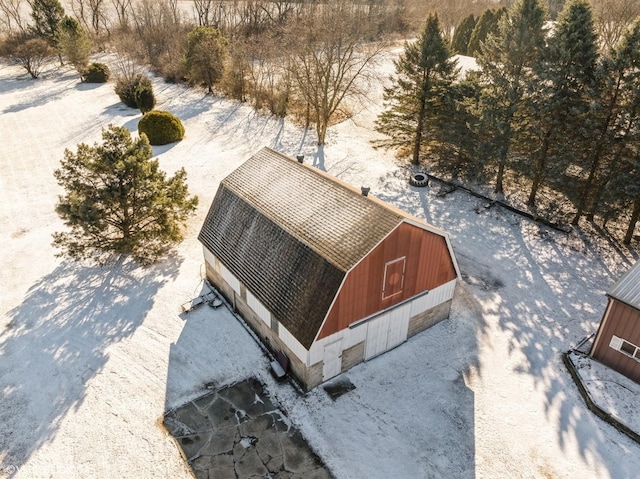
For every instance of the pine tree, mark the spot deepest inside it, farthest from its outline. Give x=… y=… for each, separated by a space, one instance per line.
x=46 y=16
x=457 y=138
x=560 y=93
x=555 y=7
x=487 y=24
x=118 y=202
x=462 y=35
x=206 y=52
x=506 y=62
x=424 y=73
x=615 y=116
x=623 y=189
x=73 y=42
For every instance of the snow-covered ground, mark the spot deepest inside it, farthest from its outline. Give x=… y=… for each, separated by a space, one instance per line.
x=91 y=358
x=610 y=391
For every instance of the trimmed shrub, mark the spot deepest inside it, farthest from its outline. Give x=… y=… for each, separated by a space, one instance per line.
x=96 y=73
x=126 y=88
x=161 y=127
x=145 y=99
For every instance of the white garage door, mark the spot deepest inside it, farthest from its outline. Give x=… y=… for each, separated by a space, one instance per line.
x=387 y=331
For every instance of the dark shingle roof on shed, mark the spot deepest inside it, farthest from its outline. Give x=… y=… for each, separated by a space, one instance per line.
x=290 y=232
x=627 y=289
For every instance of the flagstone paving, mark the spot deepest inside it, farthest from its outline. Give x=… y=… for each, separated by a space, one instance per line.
x=237 y=432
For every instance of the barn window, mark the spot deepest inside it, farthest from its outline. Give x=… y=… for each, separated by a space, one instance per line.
x=393 y=281
x=625 y=347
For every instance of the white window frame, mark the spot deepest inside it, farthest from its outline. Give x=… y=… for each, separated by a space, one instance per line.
x=617 y=343
x=384 y=280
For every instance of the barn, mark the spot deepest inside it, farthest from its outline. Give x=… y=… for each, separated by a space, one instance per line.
x=617 y=342
x=321 y=271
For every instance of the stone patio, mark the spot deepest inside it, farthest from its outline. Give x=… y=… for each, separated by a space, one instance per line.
x=238 y=432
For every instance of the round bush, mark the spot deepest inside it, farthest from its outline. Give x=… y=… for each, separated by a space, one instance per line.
x=126 y=88
x=96 y=73
x=161 y=127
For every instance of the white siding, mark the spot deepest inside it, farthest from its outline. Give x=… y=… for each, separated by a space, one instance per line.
x=259 y=308
x=210 y=258
x=433 y=298
x=230 y=278
x=350 y=337
x=293 y=344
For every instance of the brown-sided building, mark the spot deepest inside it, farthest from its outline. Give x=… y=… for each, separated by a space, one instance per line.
x=617 y=342
x=320 y=271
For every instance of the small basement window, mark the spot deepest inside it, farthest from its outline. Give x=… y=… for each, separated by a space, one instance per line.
x=625 y=347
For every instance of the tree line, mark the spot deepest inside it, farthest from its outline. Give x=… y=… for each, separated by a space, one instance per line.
x=549 y=112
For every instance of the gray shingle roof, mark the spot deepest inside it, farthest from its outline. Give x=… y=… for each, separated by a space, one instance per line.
x=328 y=216
x=627 y=289
x=290 y=233
x=292 y=281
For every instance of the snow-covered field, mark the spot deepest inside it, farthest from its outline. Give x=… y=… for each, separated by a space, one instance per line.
x=91 y=358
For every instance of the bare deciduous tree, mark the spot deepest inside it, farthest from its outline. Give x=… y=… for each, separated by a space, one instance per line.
x=31 y=53
x=123 y=9
x=331 y=60
x=613 y=18
x=160 y=35
x=92 y=14
x=11 y=13
x=204 y=11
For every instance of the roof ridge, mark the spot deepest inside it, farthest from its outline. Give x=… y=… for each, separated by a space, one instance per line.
x=321 y=211
x=353 y=189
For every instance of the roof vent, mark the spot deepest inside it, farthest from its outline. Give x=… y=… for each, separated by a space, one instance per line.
x=300 y=158
x=365 y=190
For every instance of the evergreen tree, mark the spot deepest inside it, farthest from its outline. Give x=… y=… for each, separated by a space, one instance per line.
x=561 y=90
x=462 y=35
x=145 y=99
x=506 y=62
x=118 y=202
x=456 y=133
x=424 y=74
x=206 y=53
x=46 y=16
x=555 y=7
x=487 y=24
x=623 y=191
x=73 y=43
x=615 y=116
x=635 y=210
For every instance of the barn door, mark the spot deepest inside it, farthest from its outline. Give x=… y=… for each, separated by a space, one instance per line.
x=377 y=331
x=387 y=331
x=398 y=326
x=332 y=360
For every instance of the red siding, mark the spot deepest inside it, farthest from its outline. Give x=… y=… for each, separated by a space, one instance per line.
x=623 y=321
x=428 y=265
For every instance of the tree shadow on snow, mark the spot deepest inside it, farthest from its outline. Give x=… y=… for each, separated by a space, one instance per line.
x=545 y=292
x=56 y=343
x=43 y=91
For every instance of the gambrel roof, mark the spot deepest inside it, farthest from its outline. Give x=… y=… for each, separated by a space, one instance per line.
x=290 y=233
x=627 y=289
